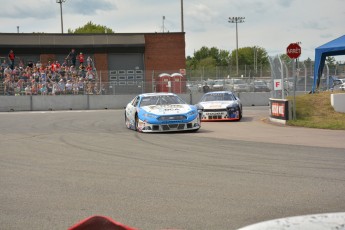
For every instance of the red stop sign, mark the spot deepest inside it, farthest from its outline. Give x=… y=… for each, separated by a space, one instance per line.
x=293 y=51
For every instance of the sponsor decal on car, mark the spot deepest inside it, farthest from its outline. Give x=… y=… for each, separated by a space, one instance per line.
x=214 y=113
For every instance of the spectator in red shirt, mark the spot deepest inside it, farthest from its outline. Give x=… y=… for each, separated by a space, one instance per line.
x=55 y=66
x=11 y=57
x=81 y=58
x=89 y=67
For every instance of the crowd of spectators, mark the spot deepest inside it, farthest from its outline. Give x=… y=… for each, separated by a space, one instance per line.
x=52 y=78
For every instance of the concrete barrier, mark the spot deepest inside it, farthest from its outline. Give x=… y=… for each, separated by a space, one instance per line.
x=255 y=99
x=109 y=101
x=95 y=102
x=59 y=102
x=15 y=103
x=98 y=102
x=338 y=102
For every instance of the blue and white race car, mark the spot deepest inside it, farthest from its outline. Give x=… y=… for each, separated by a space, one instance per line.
x=161 y=112
x=220 y=106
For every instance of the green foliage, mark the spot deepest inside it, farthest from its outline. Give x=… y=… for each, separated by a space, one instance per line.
x=215 y=63
x=246 y=56
x=308 y=62
x=208 y=62
x=249 y=55
x=330 y=61
x=220 y=57
x=91 y=28
x=285 y=58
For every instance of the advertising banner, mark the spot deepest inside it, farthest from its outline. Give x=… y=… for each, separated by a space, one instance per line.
x=279 y=109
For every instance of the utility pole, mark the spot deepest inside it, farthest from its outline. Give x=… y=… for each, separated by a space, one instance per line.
x=60 y=2
x=236 y=20
x=182 y=23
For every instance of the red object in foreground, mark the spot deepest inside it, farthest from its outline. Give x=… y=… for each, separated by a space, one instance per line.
x=293 y=51
x=99 y=223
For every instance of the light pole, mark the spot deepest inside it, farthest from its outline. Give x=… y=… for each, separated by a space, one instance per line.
x=60 y=2
x=182 y=23
x=236 y=20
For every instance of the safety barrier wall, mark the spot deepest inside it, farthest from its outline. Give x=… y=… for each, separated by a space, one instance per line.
x=338 y=102
x=94 y=102
x=10 y=103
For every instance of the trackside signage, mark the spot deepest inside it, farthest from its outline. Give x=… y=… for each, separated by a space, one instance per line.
x=279 y=109
x=293 y=51
x=277 y=84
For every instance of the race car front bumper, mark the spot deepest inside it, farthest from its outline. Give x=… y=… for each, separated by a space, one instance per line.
x=146 y=127
x=219 y=115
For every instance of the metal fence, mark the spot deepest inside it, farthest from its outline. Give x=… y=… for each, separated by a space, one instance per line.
x=303 y=74
x=238 y=85
x=220 y=72
x=200 y=80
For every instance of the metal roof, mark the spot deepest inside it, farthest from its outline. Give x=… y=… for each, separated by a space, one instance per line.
x=31 y=43
x=17 y=40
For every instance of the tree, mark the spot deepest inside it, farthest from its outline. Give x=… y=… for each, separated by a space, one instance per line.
x=208 y=62
x=91 y=28
x=285 y=58
x=250 y=56
x=330 y=61
x=308 y=62
x=208 y=55
x=224 y=57
x=220 y=63
x=246 y=56
x=309 y=65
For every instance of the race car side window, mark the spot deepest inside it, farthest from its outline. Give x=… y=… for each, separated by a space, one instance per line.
x=135 y=101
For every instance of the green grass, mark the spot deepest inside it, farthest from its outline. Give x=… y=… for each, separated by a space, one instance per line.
x=316 y=111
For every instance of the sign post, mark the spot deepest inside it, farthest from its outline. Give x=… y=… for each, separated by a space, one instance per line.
x=294 y=51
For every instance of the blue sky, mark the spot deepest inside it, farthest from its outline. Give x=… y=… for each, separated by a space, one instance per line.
x=270 y=24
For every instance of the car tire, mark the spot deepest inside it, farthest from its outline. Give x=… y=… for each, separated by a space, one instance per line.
x=240 y=116
x=136 y=122
x=127 y=123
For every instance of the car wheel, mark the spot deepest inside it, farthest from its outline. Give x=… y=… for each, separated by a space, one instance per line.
x=240 y=116
x=127 y=123
x=136 y=122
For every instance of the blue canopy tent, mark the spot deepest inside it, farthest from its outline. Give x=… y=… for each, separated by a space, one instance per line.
x=332 y=48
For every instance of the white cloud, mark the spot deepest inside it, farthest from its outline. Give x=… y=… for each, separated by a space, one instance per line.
x=88 y=7
x=270 y=24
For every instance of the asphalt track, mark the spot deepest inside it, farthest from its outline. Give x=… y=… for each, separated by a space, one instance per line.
x=57 y=168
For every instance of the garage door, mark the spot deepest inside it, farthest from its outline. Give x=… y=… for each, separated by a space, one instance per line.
x=126 y=73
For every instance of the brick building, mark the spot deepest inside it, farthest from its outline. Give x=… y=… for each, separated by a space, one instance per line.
x=118 y=57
